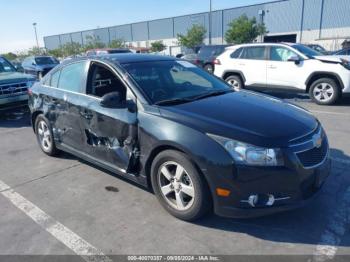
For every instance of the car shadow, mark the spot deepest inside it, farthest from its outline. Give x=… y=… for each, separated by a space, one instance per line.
x=300 y=226
x=15 y=117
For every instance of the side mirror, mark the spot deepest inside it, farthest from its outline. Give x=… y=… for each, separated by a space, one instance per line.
x=113 y=100
x=295 y=59
x=33 y=64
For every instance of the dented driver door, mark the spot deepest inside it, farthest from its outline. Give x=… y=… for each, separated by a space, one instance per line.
x=110 y=135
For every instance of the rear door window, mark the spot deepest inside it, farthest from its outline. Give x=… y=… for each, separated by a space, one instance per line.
x=254 y=53
x=73 y=77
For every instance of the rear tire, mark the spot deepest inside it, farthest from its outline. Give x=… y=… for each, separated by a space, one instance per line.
x=179 y=187
x=325 y=91
x=235 y=81
x=209 y=68
x=44 y=136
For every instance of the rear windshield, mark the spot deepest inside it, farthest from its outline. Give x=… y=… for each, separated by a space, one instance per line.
x=45 y=60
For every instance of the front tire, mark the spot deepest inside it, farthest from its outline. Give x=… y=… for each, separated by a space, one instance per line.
x=44 y=136
x=325 y=91
x=179 y=187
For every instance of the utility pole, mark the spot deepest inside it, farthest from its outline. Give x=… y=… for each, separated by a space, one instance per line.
x=210 y=10
x=36 y=35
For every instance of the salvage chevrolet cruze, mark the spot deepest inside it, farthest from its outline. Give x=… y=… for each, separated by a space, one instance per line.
x=187 y=135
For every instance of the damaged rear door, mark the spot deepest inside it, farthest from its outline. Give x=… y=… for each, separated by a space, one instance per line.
x=110 y=134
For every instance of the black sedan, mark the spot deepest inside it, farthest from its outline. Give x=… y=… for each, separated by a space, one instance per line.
x=168 y=125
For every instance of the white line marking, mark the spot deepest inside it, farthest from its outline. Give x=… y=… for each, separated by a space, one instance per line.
x=339 y=160
x=336 y=228
x=78 y=245
x=328 y=112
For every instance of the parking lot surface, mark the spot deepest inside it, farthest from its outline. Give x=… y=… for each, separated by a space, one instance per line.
x=63 y=205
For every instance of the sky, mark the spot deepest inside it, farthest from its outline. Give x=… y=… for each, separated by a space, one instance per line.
x=64 y=16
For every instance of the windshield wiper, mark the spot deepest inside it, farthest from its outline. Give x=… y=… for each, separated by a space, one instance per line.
x=212 y=93
x=172 y=101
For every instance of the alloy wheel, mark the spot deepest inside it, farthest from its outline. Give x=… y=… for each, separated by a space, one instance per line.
x=44 y=135
x=323 y=92
x=176 y=185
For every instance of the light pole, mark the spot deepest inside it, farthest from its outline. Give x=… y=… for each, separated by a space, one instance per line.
x=210 y=10
x=36 y=35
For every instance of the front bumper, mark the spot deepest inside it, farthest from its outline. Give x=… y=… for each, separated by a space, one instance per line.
x=259 y=191
x=290 y=189
x=4 y=100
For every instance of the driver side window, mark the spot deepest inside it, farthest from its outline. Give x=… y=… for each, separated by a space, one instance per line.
x=281 y=54
x=102 y=81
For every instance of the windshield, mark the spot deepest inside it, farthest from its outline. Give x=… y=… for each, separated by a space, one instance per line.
x=45 y=60
x=6 y=66
x=174 y=80
x=309 y=52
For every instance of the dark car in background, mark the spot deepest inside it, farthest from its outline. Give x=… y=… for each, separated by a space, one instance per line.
x=13 y=85
x=207 y=55
x=318 y=48
x=105 y=51
x=192 y=58
x=342 y=52
x=39 y=66
x=169 y=125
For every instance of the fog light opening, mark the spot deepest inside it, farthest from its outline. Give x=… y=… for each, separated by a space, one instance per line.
x=253 y=200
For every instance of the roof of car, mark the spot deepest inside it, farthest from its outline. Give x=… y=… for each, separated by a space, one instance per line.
x=122 y=58
x=260 y=44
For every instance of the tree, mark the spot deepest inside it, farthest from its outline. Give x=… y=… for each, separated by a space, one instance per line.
x=71 y=48
x=117 y=43
x=244 y=30
x=157 y=46
x=36 y=51
x=194 y=37
x=10 y=56
x=93 y=42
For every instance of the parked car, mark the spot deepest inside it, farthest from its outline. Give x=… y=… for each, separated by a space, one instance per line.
x=103 y=51
x=192 y=58
x=39 y=66
x=286 y=66
x=207 y=54
x=318 y=48
x=13 y=84
x=342 y=52
x=167 y=124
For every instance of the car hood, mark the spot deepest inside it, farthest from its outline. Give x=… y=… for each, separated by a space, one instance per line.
x=328 y=58
x=245 y=116
x=14 y=77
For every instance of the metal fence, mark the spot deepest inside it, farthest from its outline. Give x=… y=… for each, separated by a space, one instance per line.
x=279 y=17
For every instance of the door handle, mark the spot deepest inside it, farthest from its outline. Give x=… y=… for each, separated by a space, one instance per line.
x=272 y=67
x=241 y=64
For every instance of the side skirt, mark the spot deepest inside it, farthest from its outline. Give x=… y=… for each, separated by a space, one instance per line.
x=139 y=179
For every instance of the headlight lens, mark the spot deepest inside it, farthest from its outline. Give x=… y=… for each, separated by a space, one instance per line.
x=247 y=154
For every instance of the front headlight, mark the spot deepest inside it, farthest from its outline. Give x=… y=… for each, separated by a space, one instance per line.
x=250 y=155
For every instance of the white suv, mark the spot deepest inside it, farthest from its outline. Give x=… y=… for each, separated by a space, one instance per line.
x=285 y=65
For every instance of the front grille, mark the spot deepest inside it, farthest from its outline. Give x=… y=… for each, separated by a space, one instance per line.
x=314 y=156
x=13 y=89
